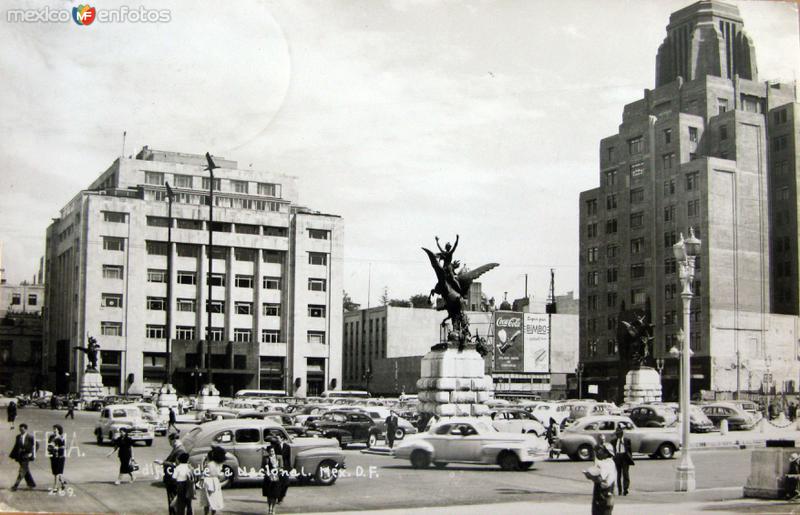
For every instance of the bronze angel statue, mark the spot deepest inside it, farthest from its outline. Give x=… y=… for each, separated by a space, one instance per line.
x=639 y=335
x=91 y=353
x=452 y=285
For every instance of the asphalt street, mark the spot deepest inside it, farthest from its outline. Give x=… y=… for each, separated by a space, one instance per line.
x=371 y=482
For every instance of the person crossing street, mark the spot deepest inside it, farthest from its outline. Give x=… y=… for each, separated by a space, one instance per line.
x=623 y=459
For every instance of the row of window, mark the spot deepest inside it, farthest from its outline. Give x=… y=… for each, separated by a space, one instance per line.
x=114 y=300
x=188 y=182
x=243 y=335
x=219 y=201
x=637 y=195
x=16 y=299
x=671 y=291
x=200 y=225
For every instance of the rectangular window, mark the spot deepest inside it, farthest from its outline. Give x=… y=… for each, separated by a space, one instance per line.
x=612 y=251
x=207 y=183
x=696 y=290
x=156 y=275
x=315 y=337
x=637 y=270
x=693 y=134
x=111 y=300
x=187 y=277
x=670 y=291
x=592 y=255
x=183 y=332
x=155 y=331
x=270 y=230
x=112 y=271
x=111 y=328
x=154 y=178
x=693 y=207
x=270 y=336
x=216 y=306
x=667 y=136
x=611 y=226
x=247 y=229
x=242 y=335
x=637 y=172
x=317 y=258
x=112 y=243
x=269 y=190
x=670 y=239
x=182 y=181
x=317 y=284
x=32 y=300
x=243 y=308
x=669 y=187
x=691 y=181
x=157 y=303
x=722 y=105
x=187 y=305
x=243 y=281
x=669 y=213
x=158 y=221
x=239 y=186
x=638 y=296
x=194 y=225
x=611 y=178
x=591 y=302
x=637 y=245
x=667 y=161
x=637 y=220
x=593 y=278
x=316 y=311
x=273 y=256
x=611 y=275
x=611 y=299
x=723 y=132
x=272 y=283
x=779 y=117
x=636 y=145
x=670 y=266
x=318 y=234
x=637 y=196
x=271 y=310
x=16 y=299
x=215 y=279
x=611 y=202
x=610 y=153
x=156 y=248
x=216 y=334
x=115 y=217
x=611 y=323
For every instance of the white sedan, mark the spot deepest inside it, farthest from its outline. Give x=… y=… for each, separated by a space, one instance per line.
x=470 y=440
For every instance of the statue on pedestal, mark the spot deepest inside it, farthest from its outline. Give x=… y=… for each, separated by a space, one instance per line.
x=639 y=335
x=452 y=285
x=91 y=354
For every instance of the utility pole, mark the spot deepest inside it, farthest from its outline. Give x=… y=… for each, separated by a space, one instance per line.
x=551 y=309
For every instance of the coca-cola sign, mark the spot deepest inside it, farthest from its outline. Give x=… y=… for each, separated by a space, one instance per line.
x=509 y=322
x=508 y=342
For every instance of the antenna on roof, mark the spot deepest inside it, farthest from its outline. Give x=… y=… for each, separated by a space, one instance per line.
x=124 y=134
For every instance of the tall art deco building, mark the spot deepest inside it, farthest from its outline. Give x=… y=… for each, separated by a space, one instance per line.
x=276 y=280
x=712 y=147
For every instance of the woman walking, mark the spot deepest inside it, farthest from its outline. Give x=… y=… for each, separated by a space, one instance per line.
x=123 y=445
x=56 y=449
x=184 y=485
x=11 y=410
x=211 y=493
x=272 y=467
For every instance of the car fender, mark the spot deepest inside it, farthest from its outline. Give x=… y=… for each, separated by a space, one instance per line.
x=408 y=446
x=569 y=443
x=307 y=461
x=489 y=453
x=334 y=432
x=648 y=443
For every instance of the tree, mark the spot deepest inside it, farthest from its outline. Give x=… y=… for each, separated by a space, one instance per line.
x=421 y=301
x=385 y=297
x=347 y=302
x=400 y=303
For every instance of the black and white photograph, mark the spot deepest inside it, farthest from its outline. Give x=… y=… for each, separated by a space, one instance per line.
x=400 y=257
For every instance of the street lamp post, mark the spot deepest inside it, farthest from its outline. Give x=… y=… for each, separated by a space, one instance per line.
x=685 y=253
x=579 y=372
x=210 y=168
x=660 y=366
x=168 y=329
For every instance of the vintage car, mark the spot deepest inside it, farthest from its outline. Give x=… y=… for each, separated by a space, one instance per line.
x=116 y=416
x=151 y=414
x=347 y=427
x=516 y=420
x=653 y=415
x=378 y=415
x=578 y=440
x=546 y=411
x=737 y=418
x=288 y=422
x=470 y=440
x=217 y=414
x=319 y=459
x=699 y=421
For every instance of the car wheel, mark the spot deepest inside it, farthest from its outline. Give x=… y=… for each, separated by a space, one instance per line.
x=326 y=473
x=584 y=452
x=666 y=451
x=420 y=459
x=227 y=474
x=440 y=464
x=148 y=442
x=399 y=434
x=525 y=465
x=508 y=461
x=372 y=441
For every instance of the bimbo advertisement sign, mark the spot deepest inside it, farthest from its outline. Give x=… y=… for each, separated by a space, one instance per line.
x=508 y=342
x=537 y=343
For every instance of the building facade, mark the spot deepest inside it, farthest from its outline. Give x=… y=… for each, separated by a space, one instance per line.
x=697 y=151
x=21 y=308
x=114 y=274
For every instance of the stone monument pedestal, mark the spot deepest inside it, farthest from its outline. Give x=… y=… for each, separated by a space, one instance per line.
x=453 y=383
x=642 y=385
x=768 y=469
x=208 y=398
x=167 y=397
x=92 y=386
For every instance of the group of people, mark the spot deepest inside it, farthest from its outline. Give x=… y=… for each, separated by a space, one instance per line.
x=612 y=462
x=24 y=453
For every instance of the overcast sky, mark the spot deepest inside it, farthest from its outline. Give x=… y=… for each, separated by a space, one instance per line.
x=409 y=119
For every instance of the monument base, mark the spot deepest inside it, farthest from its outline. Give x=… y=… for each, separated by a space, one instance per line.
x=167 y=397
x=92 y=386
x=768 y=469
x=642 y=385
x=208 y=398
x=453 y=383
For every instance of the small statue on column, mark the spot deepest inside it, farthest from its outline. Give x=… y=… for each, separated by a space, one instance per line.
x=90 y=350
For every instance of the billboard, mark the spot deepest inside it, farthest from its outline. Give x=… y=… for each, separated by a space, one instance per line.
x=508 y=342
x=536 y=342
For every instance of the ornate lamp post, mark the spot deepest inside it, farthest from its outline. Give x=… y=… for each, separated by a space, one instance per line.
x=579 y=372
x=685 y=253
x=660 y=366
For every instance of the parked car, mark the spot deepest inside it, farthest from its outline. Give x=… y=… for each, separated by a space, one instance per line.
x=750 y=407
x=116 y=416
x=653 y=416
x=737 y=418
x=470 y=440
x=698 y=421
x=288 y=422
x=516 y=420
x=545 y=411
x=347 y=427
x=152 y=415
x=217 y=414
x=378 y=415
x=319 y=459
x=578 y=440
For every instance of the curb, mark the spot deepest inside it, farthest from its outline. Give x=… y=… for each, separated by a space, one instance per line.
x=377 y=451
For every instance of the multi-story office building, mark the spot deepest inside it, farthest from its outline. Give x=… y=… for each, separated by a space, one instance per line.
x=700 y=150
x=276 y=280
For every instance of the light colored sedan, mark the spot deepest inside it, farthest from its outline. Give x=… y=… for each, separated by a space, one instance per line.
x=579 y=439
x=470 y=440
x=516 y=420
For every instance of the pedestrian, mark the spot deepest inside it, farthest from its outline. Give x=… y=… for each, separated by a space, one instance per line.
x=211 y=494
x=56 y=450
x=552 y=439
x=70 y=409
x=623 y=459
x=391 y=428
x=272 y=467
x=184 y=485
x=792 y=480
x=792 y=411
x=11 y=411
x=285 y=452
x=603 y=474
x=168 y=467
x=172 y=420
x=24 y=452
x=123 y=445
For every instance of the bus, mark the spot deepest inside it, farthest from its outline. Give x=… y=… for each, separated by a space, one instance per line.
x=345 y=394
x=259 y=394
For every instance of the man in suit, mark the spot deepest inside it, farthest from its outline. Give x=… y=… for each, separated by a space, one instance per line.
x=24 y=452
x=391 y=428
x=168 y=466
x=623 y=459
